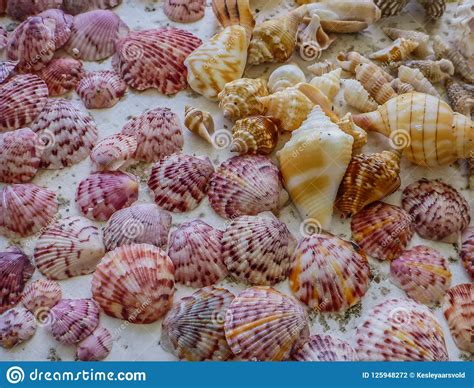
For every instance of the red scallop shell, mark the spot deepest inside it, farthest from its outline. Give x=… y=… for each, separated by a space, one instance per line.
x=7 y=68
x=21 y=9
x=114 y=153
x=101 y=89
x=467 y=250
x=184 y=11
x=323 y=347
x=62 y=75
x=62 y=31
x=75 y=7
x=3 y=38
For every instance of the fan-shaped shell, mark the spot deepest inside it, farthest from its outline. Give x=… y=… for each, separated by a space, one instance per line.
x=96 y=347
x=41 y=295
x=135 y=283
x=356 y=96
x=194 y=328
x=323 y=347
x=254 y=135
x=62 y=30
x=467 y=250
x=21 y=9
x=62 y=75
x=458 y=309
x=284 y=77
x=3 y=38
x=374 y=81
x=74 y=7
x=184 y=11
x=7 y=69
x=113 y=153
x=101 y=89
x=17 y=325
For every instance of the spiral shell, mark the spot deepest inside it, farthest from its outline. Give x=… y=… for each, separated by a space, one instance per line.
x=460 y=99
x=135 y=283
x=17 y=325
x=254 y=135
x=312 y=40
x=61 y=75
x=114 y=153
x=397 y=51
x=7 y=69
x=347 y=125
x=467 y=250
x=375 y=83
x=320 y=68
x=458 y=309
x=401 y=87
x=3 y=38
x=351 y=60
x=101 y=89
x=328 y=83
x=41 y=295
x=356 y=96
x=463 y=22
x=434 y=8
x=184 y=11
x=423 y=50
x=284 y=77
x=96 y=347
x=445 y=50
x=416 y=78
x=434 y=71
x=390 y=7
x=199 y=122
x=323 y=347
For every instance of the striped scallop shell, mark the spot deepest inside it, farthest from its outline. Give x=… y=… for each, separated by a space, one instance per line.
x=103 y=193
x=7 y=69
x=422 y=273
x=194 y=328
x=246 y=185
x=328 y=273
x=383 y=231
x=184 y=11
x=467 y=250
x=62 y=30
x=3 y=38
x=70 y=247
x=68 y=133
x=439 y=211
x=178 y=182
x=62 y=75
x=144 y=223
x=72 y=320
x=17 y=200
x=20 y=156
x=196 y=252
x=155 y=59
x=15 y=270
x=41 y=295
x=323 y=347
x=21 y=9
x=74 y=7
x=22 y=98
x=96 y=347
x=94 y=34
x=113 y=153
x=17 y=325
x=135 y=283
x=400 y=330
x=262 y=324
x=258 y=249
x=458 y=309
x=158 y=133
x=101 y=89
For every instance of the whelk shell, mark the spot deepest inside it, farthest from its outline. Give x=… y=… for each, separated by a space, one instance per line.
x=467 y=250
x=434 y=71
x=328 y=83
x=312 y=40
x=96 y=347
x=460 y=99
x=17 y=325
x=199 y=122
x=423 y=50
x=184 y=11
x=320 y=68
x=401 y=87
x=254 y=135
x=356 y=96
x=350 y=62
x=41 y=295
x=374 y=81
x=416 y=78
x=101 y=89
x=284 y=77
x=323 y=347
x=113 y=153
x=458 y=309
x=397 y=51
x=448 y=51
x=75 y=7
x=62 y=75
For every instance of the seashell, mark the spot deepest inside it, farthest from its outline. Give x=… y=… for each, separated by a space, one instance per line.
x=284 y=77
x=423 y=126
x=258 y=249
x=416 y=78
x=234 y=12
x=72 y=320
x=401 y=87
x=155 y=59
x=390 y=7
x=3 y=38
x=463 y=21
x=19 y=199
x=62 y=31
x=17 y=325
x=184 y=11
x=375 y=83
x=158 y=134
x=194 y=328
x=94 y=34
x=262 y=324
x=143 y=223
x=319 y=98
x=15 y=270
x=70 y=247
x=62 y=75
x=68 y=134
x=438 y=211
x=434 y=71
x=397 y=51
x=7 y=69
x=350 y=62
x=434 y=8
x=346 y=124
x=459 y=98
x=400 y=330
x=328 y=83
x=22 y=98
x=101 y=89
x=75 y=7
x=246 y=185
x=320 y=68
x=312 y=40
x=383 y=231
x=96 y=347
x=445 y=50
x=423 y=49
x=254 y=135
x=196 y=252
x=20 y=156
x=313 y=163
x=113 y=153
x=41 y=295
x=178 y=182
x=467 y=250
x=458 y=310
x=199 y=122
x=356 y=96
x=135 y=283
x=21 y=9
x=368 y=178
x=323 y=347
x=240 y=98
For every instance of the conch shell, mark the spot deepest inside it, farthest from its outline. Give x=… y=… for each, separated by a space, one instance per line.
x=320 y=68
x=397 y=51
x=461 y=65
x=328 y=83
x=356 y=96
x=284 y=77
x=312 y=40
x=199 y=122
x=423 y=50
x=373 y=80
x=416 y=78
x=254 y=135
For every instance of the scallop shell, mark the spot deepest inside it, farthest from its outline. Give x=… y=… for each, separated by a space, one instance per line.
x=17 y=325
x=323 y=347
x=356 y=96
x=246 y=185
x=416 y=78
x=40 y=204
x=135 y=283
x=184 y=11
x=103 y=193
x=438 y=211
x=178 y=182
x=196 y=252
x=254 y=135
x=94 y=34
x=7 y=69
x=423 y=50
x=284 y=77
x=15 y=270
x=199 y=122
x=397 y=51
x=113 y=153
x=21 y=9
x=458 y=309
x=320 y=68
x=390 y=7
x=75 y=7
x=368 y=178
x=96 y=347
x=434 y=71
x=194 y=328
x=328 y=83
x=347 y=125
x=434 y=8
x=72 y=320
x=158 y=134
x=41 y=295
x=460 y=99
x=155 y=59
x=70 y=247
x=3 y=38
x=401 y=87
x=400 y=330
x=143 y=223
x=62 y=31
x=467 y=250
x=62 y=75
x=263 y=324
x=350 y=62
x=445 y=50
x=101 y=89
x=375 y=83
x=312 y=40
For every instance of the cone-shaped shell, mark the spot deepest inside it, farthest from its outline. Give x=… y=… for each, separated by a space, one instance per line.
x=356 y=96
x=458 y=308
x=284 y=77
x=96 y=347
x=467 y=250
x=184 y=11
x=254 y=135
x=199 y=122
x=416 y=78
x=374 y=81
x=434 y=71
x=401 y=87
x=461 y=65
x=41 y=295
x=323 y=347
x=114 y=153
x=320 y=68
x=17 y=325
x=62 y=75
x=328 y=83
x=351 y=60
x=399 y=50
x=101 y=89
x=423 y=50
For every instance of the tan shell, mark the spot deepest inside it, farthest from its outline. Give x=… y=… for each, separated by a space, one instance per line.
x=351 y=60
x=312 y=40
x=199 y=122
x=328 y=83
x=234 y=12
x=416 y=78
x=347 y=125
x=434 y=71
x=397 y=51
x=373 y=80
x=320 y=68
x=461 y=65
x=284 y=77
x=401 y=87
x=356 y=96
x=459 y=98
x=254 y=135
x=423 y=50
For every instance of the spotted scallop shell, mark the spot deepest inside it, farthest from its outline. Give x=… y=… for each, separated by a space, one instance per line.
x=21 y=9
x=70 y=247
x=194 y=328
x=17 y=200
x=3 y=38
x=155 y=59
x=62 y=75
x=101 y=89
x=438 y=211
x=103 y=193
x=196 y=252
x=400 y=330
x=96 y=347
x=41 y=295
x=422 y=273
x=113 y=153
x=323 y=347
x=467 y=250
x=184 y=11
x=63 y=25
x=17 y=325
x=7 y=69
x=75 y=7
x=246 y=185
x=383 y=231
x=158 y=133
x=179 y=182
x=135 y=283
x=262 y=324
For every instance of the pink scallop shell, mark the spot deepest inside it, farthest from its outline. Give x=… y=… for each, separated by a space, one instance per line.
x=75 y=7
x=41 y=295
x=113 y=153
x=17 y=325
x=62 y=75
x=3 y=38
x=322 y=347
x=62 y=31
x=7 y=69
x=467 y=250
x=155 y=59
x=21 y=9
x=101 y=89
x=184 y=11
x=96 y=347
